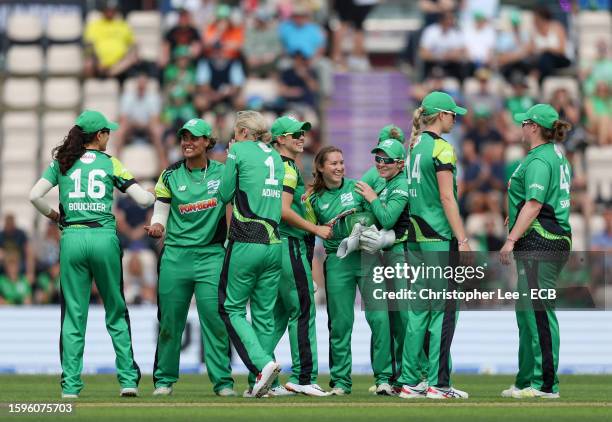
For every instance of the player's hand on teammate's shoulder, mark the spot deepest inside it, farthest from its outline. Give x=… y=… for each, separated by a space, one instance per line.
x=366 y=191
x=155 y=230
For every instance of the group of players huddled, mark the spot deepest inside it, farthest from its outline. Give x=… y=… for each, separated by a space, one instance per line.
x=405 y=204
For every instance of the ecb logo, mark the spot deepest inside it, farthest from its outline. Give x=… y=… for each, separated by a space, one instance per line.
x=213 y=186
x=346 y=198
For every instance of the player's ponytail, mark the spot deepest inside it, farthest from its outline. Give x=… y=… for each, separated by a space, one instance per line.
x=255 y=123
x=72 y=148
x=558 y=133
x=416 y=125
x=318 y=183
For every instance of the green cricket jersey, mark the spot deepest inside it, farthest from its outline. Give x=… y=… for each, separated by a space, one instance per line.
x=391 y=208
x=86 y=190
x=16 y=292
x=321 y=207
x=197 y=214
x=253 y=179
x=543 y=175
x=293 y=183
x=429 y=155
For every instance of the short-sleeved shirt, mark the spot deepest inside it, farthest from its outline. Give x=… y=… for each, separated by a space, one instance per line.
x=544 y=175
x=253 y=181
x=293 y=184
x=16 y=292
x=86 y=190
x=306 y=39
x=197 y=214
x=439 y=42
x=111 y=39
x=140 y=109
x=429 y=155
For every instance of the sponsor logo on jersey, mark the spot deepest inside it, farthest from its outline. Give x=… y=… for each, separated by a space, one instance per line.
x=347 y=198
x=400 y=192
x=88 y=158
x=198 y=206
x=324 y=206
x=182 y=188
x=213 y=186
x=536 y=186
x=232 y=156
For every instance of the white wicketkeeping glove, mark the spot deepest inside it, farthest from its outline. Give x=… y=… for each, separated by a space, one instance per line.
x=351 y=243
x=372 y=241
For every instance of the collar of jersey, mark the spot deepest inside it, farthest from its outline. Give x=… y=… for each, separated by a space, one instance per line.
x=434 y=135
x=541 y=145
x=287 y=159
x=191 y=171
x=335 y=189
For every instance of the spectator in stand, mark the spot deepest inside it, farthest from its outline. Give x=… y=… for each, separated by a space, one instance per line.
x=298 y=84
x=598 y=108
x=352 y=14
x=131 y=220
x=183 y=34
x=548 y=44
x=483 y=178
x=219 y=82
x=603 y=241
x=111 y=49
x=47 y=265
x=443 y=45
x=483 y=130
x=518 y=102
x=566 y=107
x=435 y=82
x=202 y=11
x=140 y=279
x=479 y=42
x=484 y=97
x=262 y=47
x=181 y=72
x=15 y=288
x=178 y=110
x=512 y=48
x=13 y=239
x=599 y=70
x=433 y=9
x=223 y=31
x=139 y=118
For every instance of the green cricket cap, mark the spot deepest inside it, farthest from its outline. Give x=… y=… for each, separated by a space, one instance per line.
x=92 y=121
x=542 y=114
x=392 y=147
x=197 y=127
x=287 y=124
x=437 y=101
x=385 y=133
x=223 y=11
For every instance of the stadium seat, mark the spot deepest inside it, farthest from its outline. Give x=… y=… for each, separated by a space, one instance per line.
x=21 y=93
x=64 y=59
x=471 y=86
x=130 y=85
x=141 y=160
x=147 y=31
x=24 y=60
x=24 y=27
x=107 y=106
x=62 y=93
x=17 y=180
x=20 y=137
x=55 y=126
x=101 y=88
x=579 y=240
x=451 y=84
x=64 y=27
x=601 y=20
x=552 y=83
x=599 y=178
x=266 y=89
x=597 y=224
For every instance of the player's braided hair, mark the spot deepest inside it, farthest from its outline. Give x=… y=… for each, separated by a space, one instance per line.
x=419 y=120
x=558 y=133
x=319 y=184
x=72 y=148
x=255 y=123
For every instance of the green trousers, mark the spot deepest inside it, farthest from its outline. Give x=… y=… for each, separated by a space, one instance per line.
x=251 y=273
x=86 y=254
x=432 y=320
x=295 y=310
x=342 y=276
x=538 y=327
x=184 y=271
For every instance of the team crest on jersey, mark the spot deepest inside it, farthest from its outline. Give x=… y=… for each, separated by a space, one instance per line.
x=347 y=198
x=197 y=206
x=213 y=186
x=88 y=158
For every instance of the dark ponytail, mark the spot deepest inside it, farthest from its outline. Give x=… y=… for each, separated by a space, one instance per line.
x=558 y=133
x=72 y=148
x=319 y=184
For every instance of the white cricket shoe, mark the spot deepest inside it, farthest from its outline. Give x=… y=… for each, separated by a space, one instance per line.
x=338 y=391
x=530 y=392
x=384 y=389
x=265 y=378
x=507 y=393
x=312 y=390
x=417 y=392
x=446 y=393
x=226 y=392
x=129 y=392
x=162 y=391
x=70 y=396
x=280 y=391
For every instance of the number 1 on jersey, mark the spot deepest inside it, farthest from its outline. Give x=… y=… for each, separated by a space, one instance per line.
x=270 y=180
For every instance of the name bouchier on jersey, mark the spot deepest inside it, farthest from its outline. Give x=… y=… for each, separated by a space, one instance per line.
x=198 y=206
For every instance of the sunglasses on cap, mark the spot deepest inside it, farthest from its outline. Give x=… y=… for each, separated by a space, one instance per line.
x=295 y=135
x=384 y=160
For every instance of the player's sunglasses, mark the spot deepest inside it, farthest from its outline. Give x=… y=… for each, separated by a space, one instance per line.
x=295 y=135
x=526 y=122
x=105 y=130
x=385 y=160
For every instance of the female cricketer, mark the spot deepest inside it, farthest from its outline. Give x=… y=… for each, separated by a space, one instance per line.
x=391 y=210
x=192 y=216
x=540 y=235
x=295 y=308
x=371 y=176
x=332 y=195
x=253 y=182
x=437 y=230
x=89 y=247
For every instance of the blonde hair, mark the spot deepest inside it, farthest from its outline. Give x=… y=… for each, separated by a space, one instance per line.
x=418 y=121
x=255 y=123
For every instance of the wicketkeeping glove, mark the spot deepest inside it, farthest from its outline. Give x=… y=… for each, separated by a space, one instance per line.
x=372 y=241
x=351 y=243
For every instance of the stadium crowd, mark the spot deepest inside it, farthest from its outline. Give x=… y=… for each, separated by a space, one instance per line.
x=286 y=52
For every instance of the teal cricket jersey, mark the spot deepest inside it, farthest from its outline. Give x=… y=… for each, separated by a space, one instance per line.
x=543 y=175
x=86 y=190
x=253 y=180
x=293 y=183
x=429 y=155
x=323 y=206
x=391 y=208
x=197 y=213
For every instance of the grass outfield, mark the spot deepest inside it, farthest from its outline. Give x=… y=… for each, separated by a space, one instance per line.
x=583 y=398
